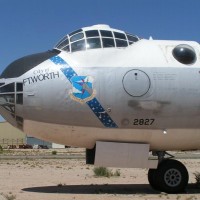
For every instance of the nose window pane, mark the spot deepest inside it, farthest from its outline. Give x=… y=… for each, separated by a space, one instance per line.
x=19 y=87
x=19 y=99
x=8 y=88
x=7 y=102
x=7 y=98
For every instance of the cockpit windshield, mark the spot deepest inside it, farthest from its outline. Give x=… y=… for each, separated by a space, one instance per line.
x=98 y=37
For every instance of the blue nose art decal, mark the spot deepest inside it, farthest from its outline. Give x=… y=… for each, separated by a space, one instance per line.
x=94 y=104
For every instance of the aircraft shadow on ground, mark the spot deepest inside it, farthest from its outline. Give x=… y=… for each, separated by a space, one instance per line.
x=104 y=189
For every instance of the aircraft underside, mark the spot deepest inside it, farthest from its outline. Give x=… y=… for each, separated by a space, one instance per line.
x=86 y=137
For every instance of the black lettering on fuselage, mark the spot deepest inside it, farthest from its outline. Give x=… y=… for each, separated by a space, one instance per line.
x=55 y=74
x=33 y=79
x=41 y=77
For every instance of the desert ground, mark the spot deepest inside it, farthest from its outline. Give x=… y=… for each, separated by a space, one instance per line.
x=56 y=178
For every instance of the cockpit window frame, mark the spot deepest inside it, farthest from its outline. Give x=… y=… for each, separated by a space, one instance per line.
x=121 y=39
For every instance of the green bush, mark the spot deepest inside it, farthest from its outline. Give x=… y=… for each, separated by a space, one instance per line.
x=54 y=152
x=10 y=196
x=104 y=172
x=117 y=173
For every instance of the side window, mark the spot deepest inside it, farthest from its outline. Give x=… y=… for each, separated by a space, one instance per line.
x=132 y=38
x=108 y=42
x=78 y=46
x=185 y=54
x=93 y=43
x=8 y=88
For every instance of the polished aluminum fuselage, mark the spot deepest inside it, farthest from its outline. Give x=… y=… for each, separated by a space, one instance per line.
x=150 y=97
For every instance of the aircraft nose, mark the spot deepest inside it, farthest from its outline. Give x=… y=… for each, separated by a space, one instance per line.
x=11 y=86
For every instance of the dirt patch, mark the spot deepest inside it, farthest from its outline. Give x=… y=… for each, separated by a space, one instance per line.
x=50 y=179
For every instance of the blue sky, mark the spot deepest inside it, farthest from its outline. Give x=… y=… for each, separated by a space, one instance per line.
x=30 y=26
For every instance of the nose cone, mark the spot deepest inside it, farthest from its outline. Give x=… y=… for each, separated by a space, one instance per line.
x=24 y=64
x=11 y=86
